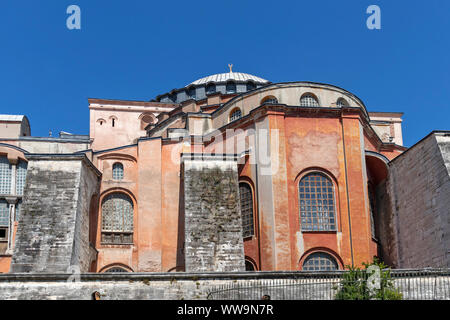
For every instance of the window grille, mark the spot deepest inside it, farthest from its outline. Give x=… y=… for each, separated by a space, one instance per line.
x=117 y=219
x=317 y=208
x=309 y=100
x=272 y=100
x=116 y=270
x=320 y=261
x=5 y=176
x=21 y=174
x=118 y=171
x=4 y=213
x=236 y=114
x=246 y=210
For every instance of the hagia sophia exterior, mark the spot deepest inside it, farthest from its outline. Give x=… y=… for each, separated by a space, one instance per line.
x=230 y=173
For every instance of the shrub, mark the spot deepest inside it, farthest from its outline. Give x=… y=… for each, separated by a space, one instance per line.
x=355 y=284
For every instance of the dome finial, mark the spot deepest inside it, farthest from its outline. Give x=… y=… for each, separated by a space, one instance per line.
x=230 y=65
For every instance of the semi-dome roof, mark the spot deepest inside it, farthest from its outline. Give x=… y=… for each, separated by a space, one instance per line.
x=224 y=77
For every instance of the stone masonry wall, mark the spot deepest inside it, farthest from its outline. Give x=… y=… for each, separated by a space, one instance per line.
x=213 y=225
x=53 y=229
x=202 y=286
x=418 y=188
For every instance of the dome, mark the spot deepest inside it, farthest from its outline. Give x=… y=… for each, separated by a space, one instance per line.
x=224 y=77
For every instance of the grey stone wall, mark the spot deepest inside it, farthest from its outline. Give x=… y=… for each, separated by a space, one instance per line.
x=202 y=286
x=53 y=230
x=416 y=233
x=213 y=225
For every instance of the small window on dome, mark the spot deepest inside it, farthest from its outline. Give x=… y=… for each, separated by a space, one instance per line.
x=231 y=87
x=269 y=100
x=341 y=103
x=235 y=114
x=191 y=93
x=308 y=100
x=210 y=89
x=251 y=86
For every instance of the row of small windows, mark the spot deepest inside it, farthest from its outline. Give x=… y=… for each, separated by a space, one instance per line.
x=230 y=88
x=6 y=176
x=307 y=100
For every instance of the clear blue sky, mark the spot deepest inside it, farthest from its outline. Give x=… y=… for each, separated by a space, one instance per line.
x=137 y=49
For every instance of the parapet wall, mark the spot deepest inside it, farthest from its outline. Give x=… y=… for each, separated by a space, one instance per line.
x=201 y=286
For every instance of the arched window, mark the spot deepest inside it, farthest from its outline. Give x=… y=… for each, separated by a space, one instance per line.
x=308 y=100
x=117 y=219
x=249 y=266
x=341 y=103
x=21 y=174
x=210 y=88
x=231 y=87
x=191 y=92
x=251 y=86
x=173 y=97
x=235 y=114
x=320 y=261
x=317 y=207
x=5 y=176
x=117 y=171
x=269 y=100
x=246 y=197
x=116 y=270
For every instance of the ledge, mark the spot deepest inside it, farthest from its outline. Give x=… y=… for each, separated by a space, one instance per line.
x=184 y=276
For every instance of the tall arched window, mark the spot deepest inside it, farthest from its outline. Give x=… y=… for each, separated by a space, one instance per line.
x=341 y=103
x=235 y=114
x=231 y=87
x=117 y=219
x=5 y=176
x=117 y=171
x=21 y=174
x=309 y=100
x=317 y=207
x=320 y=261
x=269 y=100
x=246 y=195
